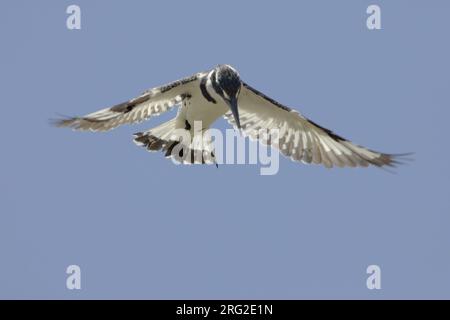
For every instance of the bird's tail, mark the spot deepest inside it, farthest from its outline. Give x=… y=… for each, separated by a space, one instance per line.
x=177 y=143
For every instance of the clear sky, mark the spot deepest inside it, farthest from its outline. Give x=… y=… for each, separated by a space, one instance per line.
x=141 y=227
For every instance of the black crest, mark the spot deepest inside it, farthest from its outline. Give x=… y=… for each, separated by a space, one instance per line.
x=228 y=80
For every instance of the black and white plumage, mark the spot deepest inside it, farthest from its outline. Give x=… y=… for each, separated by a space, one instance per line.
x=206 y=96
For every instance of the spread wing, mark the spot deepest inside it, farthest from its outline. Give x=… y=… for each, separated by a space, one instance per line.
x=300 y=138
x=152 y=102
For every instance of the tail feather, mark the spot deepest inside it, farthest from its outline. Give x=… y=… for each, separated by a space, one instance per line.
x=162 y=138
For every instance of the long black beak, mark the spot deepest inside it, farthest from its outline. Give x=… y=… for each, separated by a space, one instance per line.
x=233 y=104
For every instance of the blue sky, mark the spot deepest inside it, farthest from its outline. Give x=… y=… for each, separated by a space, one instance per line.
x=140 y=227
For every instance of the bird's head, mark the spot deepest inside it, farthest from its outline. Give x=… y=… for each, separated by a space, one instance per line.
x=228 y=87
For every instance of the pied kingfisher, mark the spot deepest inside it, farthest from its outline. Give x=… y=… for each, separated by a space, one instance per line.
x=206 y=96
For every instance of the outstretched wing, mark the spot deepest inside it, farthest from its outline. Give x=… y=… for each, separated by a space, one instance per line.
x=152 y=102
x=300 y=138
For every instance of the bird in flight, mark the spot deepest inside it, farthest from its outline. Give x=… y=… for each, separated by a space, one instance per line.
x=206 y=96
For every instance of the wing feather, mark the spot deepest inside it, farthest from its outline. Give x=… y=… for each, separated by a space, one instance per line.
x=152 y=102
x=300 y=138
